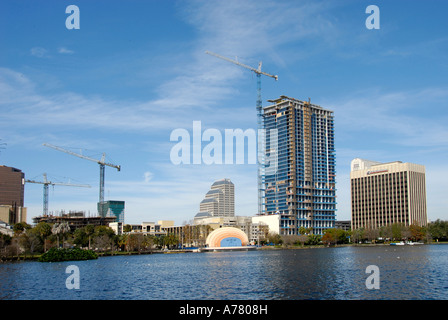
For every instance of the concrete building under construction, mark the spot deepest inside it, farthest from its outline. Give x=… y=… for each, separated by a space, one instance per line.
x=75 y=220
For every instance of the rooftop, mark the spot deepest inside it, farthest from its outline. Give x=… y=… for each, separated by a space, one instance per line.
x=222 y=181
x=203 y=214
x=209 y=200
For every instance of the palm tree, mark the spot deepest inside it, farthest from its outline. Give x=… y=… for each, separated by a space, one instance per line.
x=44 y=230
x=127 y=228
x=123 y=240
x=148 y=242
x=171 y=239
x=90 y=230
x=60 y=228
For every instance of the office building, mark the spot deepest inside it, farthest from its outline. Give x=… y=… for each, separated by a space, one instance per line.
x=12 y=187
x=227 y=206
x=208 y=206
x=219 y=200
x=386 y=193
x=300 y=187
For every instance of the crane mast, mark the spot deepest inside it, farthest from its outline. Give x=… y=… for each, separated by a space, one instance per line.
x=47 y=183
x=2 y=145
x=102 y=163
x=259 y=109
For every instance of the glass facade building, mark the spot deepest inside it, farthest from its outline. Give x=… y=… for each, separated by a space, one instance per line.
x=113 y=208
x=300 y=187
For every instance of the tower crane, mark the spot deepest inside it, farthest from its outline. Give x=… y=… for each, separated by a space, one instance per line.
x=102 y=162
x=258 y=72
x=2 y=145
x=47 y=183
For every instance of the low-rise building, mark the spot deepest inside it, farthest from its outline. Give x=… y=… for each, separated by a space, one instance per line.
x=146 y=228
x=75 y=220
x=6 y=229
x=189 y=235
x=345 y=225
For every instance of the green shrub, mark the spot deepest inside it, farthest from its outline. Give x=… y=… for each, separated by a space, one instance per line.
x=55 y=254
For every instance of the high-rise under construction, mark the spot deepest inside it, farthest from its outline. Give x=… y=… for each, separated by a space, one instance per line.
x=301 y=187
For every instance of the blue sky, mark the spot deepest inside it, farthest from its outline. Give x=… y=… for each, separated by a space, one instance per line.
x=137 y=70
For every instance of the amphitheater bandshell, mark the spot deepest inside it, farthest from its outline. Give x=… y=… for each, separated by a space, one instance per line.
x=219 y=238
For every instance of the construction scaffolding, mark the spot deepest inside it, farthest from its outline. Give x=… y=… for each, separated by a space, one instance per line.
x=75 y=220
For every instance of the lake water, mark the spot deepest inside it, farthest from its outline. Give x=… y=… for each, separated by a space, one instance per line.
x=406 y=272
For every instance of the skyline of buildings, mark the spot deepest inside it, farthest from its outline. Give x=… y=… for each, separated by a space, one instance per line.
x=299 y=187
x=407 y=206
x=375 y=80
x=301 y=191
x=302 y=187
x=382 y=193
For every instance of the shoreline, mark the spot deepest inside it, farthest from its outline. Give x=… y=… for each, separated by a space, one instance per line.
x=177 y=251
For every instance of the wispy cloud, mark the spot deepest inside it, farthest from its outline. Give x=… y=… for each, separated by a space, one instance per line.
x=201 y=81
x=429 y=48
x=400 y=117
x=64 y=50
x=252 y=27
x=20 y=98
x=39 y=52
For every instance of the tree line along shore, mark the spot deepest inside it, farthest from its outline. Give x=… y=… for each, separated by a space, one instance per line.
x=30 y=242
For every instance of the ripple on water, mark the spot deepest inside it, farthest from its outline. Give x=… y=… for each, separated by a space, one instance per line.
x=326 y=273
